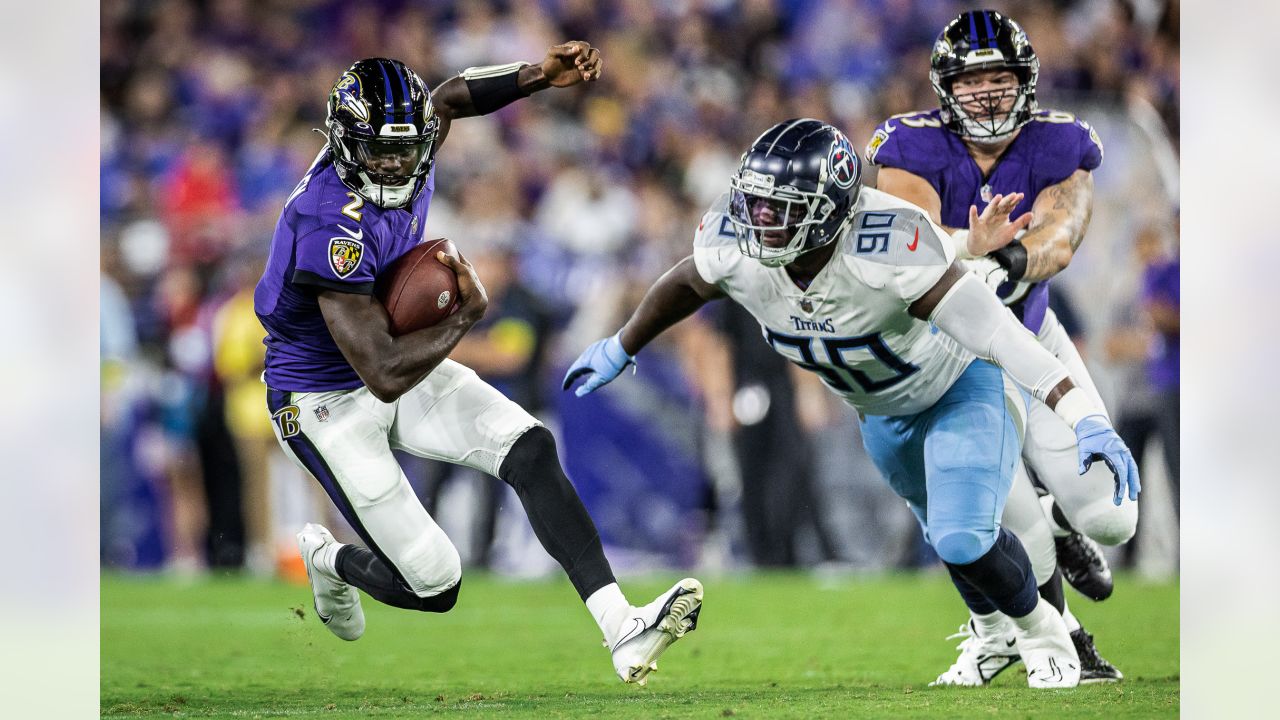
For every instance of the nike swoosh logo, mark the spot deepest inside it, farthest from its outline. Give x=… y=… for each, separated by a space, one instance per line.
x=634 y=632
x=1010 y=643
x=914 y=243
x=359 y=233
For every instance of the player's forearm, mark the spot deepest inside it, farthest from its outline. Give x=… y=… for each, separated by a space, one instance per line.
x=671 y=299
x=1062 y=213
x=972 y=315
x=482 y=90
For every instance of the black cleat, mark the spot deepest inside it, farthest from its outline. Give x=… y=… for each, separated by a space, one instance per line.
x=1093 y=667
x=1084 y=566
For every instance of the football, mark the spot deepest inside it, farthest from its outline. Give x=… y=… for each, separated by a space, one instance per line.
x=417 y=289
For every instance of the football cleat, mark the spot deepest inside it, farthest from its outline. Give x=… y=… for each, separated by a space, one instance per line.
x=1047 y=650
x=1084 y=566
x=337 y=604
x=651 y=629
x=1093 y=667
x=981 y=658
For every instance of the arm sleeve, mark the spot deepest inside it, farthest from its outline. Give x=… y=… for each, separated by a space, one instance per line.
x=330 y=259
x=972 y=315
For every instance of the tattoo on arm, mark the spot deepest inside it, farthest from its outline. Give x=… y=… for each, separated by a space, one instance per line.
x=1062 y=214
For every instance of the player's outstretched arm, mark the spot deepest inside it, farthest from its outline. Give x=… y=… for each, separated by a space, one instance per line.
x=987 y=232
x=1062 y=212
x=674 y=297
x=967 y=310
x=390 y=366
x=482 y=90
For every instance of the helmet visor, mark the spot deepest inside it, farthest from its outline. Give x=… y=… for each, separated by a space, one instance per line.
x=774 y=220
x=393 y=162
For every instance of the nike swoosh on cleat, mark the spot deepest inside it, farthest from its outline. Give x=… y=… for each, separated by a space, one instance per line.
x=631 y=634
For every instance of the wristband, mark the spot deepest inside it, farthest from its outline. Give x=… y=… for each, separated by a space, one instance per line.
x=493 y=87
x=1075 y=406
x=961 y=240
x=1013 y=258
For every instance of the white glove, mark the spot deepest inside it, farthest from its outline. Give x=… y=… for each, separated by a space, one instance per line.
x=989 y=271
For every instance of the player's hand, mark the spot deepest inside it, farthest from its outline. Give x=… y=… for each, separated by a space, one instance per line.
x=1097 y=440
x=472 y=299
x=571 y=63
x=600 y=363
x=992 y=230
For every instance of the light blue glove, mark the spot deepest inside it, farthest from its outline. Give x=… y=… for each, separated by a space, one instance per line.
x=1097 y=440
x=600 y=363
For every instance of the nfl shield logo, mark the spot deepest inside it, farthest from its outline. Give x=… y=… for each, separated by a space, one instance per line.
x=322 y=413
x=806 y=306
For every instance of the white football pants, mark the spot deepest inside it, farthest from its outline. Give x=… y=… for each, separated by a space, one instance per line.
x=1049 y=449
x=344 y=439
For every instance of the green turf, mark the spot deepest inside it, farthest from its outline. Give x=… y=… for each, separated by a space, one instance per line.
x=776 y=645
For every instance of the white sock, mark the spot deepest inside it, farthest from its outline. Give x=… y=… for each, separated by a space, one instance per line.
x=326 y=560
x=1072 y=623
x=608 y=606
x=992 y=625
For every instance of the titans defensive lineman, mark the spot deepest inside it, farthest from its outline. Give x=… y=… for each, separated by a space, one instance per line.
x=863 y=289
x=343 y=392
x=986 y=140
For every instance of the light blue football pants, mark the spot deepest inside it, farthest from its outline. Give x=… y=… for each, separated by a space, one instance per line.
x=953 y=463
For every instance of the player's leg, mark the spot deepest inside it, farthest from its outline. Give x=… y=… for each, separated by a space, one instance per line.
x=970 y=452
x=1083 y=502
x=455 y=416
x=341 y=439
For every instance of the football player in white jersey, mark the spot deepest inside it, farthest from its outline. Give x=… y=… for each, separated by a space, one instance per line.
x=864 y=289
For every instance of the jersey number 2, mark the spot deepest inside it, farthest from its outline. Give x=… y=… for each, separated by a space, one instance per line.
x=833 y=369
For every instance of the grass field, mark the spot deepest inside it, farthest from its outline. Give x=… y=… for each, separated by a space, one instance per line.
x=767 y=646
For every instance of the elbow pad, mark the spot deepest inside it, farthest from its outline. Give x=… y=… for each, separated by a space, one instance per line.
x=972 y=315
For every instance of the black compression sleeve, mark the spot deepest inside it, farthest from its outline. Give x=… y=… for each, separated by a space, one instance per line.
x=493 y=93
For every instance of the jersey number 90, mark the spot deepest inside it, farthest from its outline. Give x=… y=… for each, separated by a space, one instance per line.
x=833 y=369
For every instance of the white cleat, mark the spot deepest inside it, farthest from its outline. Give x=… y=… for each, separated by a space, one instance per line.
x=1047 y=651
x=981 y=658
x=337 y=603
x=651 y=629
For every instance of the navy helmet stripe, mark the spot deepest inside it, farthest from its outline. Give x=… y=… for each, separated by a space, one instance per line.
x=991 y=33
x=388 y=98
x=973 y=30
x=406 y=105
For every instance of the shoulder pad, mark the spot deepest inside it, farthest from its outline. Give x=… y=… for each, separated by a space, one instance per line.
x=915 y=142
x=1071 y=141
x=901 y=236
x=715 y=229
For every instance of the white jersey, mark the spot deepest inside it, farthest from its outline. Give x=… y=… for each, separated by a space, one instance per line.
x=851 y=325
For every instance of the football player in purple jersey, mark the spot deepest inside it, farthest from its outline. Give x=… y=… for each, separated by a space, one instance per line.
x=343 y=392
x=989 y=140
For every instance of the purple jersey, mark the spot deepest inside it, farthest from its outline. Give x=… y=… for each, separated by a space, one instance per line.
x=1048 y=149
x=329 y=238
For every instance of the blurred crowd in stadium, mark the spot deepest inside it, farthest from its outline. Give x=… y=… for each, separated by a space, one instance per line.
x=571 y=203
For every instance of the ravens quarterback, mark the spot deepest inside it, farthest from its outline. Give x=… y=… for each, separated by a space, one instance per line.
x=988 y=138
x=343 y=392
x=864 y=289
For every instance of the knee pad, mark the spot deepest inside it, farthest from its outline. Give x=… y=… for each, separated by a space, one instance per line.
x=430 y=564
x=961 y=547
x=1105 y=523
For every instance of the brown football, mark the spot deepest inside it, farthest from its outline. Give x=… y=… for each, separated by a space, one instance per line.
x=417 y=289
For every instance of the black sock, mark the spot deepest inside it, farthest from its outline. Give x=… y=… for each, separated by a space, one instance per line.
x=555 y=511
x=1051 y=590
x=973 y=597
x=1003 y=576
x=365 y=570
x=1060 y=518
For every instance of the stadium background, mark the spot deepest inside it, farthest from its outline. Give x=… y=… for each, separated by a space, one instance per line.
x=584 y=196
